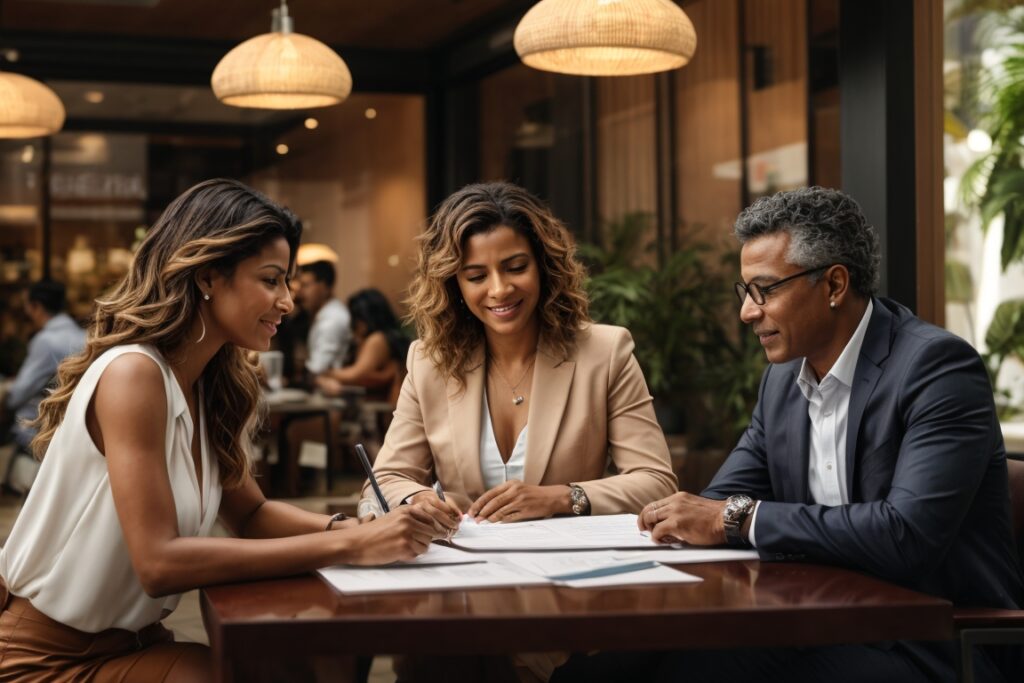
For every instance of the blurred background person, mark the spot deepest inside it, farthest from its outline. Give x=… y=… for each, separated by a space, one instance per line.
x=329 y=333
x=381 y=346
x=57 y=337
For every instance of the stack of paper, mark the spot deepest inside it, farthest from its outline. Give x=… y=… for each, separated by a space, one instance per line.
x=627 y=557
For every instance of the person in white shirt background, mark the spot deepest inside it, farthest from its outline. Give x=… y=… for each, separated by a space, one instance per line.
x=330 y=332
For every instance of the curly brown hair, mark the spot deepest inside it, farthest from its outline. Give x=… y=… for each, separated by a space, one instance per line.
x=450 y=334
x=215 y=224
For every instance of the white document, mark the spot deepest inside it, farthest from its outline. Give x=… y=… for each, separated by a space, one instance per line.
x=687 y=555
x=563 y=533
x=441 y=554
x=622 y=568
x=356 y=580
x=655 y=575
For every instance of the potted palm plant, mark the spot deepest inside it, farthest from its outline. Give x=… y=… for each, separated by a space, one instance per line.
x=700 y=366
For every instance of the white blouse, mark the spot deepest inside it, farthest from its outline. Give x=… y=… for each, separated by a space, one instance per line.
x=67 y=553
x=491 y=467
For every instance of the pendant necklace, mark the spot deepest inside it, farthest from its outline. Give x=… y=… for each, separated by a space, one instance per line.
x=517 y=399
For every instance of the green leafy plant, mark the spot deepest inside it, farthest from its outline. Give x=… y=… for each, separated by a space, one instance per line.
x=697 y=360
x=995 y=182
x=1005 y=339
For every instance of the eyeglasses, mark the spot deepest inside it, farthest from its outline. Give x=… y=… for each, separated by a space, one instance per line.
x=758 y=293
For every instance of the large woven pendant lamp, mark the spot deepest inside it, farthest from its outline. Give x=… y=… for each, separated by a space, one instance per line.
x=281 y=70
x=605 y=37
x=28 y=109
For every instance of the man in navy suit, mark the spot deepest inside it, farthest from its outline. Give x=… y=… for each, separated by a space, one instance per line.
x=874 y=445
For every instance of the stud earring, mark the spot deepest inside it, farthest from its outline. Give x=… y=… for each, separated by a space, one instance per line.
x=832 y=305
x=206 y=297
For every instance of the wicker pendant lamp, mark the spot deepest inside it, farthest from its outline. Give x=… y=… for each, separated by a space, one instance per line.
x=281 y=70
x=605 y=37
x=28 y=109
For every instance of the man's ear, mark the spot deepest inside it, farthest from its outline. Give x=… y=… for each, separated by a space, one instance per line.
x=838 y=279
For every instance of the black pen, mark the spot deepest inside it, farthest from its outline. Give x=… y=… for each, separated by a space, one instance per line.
x=361 y=452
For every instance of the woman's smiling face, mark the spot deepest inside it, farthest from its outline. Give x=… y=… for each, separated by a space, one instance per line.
x=500 y=281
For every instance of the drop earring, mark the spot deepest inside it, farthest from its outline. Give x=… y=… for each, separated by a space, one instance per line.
x=203 y=335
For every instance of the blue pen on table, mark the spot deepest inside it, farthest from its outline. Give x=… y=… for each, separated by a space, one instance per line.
x=363 y=458
x=605 y=571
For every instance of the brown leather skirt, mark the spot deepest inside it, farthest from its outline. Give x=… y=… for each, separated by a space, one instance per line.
x=34 y=647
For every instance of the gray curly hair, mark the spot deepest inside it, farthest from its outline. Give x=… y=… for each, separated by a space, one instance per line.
x=825 y=227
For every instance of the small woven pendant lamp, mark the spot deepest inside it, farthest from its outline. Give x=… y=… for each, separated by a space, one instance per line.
x=281 y=70
x=605 y=37
x=28 y=109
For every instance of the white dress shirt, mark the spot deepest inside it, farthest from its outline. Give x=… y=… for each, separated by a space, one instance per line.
x=493 y=469
x=329 y=337
x=828 y=406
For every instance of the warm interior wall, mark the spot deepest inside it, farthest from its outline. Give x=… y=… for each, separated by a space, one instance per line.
x=708 y=192
x=359 y=186
x=625 y=147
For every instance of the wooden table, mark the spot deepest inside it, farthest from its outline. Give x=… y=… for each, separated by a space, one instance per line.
x=290 y=407
x=738 y=604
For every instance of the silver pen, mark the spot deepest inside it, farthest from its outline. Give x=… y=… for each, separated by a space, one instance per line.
x=440 y=494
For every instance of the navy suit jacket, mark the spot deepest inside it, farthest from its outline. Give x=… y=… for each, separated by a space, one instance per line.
x=925 y=467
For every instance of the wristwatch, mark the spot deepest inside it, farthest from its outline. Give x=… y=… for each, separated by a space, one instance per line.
x=578 y=499
x=737 y=509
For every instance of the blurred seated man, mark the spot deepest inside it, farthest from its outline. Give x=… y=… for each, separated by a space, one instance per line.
x=57 y=336
x=874 y=445
x=329 y=333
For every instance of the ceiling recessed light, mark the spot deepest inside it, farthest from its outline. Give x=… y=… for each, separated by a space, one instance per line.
x=371 y=113
x=93 y=96
x=282 y=149
x=311 y=123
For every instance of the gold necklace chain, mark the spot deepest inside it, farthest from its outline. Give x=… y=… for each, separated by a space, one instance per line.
x=517 y=399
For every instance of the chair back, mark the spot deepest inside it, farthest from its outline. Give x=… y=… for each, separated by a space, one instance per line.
x=1015 y=472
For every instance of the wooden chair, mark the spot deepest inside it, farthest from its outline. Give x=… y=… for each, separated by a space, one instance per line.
x=994 y=626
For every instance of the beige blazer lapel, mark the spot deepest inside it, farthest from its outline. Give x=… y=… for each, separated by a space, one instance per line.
x=464 y=406
x=552 y=379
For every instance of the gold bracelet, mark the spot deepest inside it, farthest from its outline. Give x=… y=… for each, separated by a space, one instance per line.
x=336 y=518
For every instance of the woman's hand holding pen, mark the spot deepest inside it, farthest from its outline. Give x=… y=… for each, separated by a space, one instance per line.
x=515 y=501
x=445 y=513
x=399 y=535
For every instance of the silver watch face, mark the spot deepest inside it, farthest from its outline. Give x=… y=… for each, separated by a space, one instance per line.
x=736 y=506
x=578 y=498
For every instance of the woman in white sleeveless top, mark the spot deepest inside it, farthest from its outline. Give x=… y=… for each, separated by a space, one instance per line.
x=145 y=441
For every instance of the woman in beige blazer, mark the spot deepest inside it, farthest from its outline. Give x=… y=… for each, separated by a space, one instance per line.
x=515 y=402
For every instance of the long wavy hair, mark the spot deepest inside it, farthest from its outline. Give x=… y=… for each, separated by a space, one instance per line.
x=213 y=225
x=370 y=307
x=450 y=334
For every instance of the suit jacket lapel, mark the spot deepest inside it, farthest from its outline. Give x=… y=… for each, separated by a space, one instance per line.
x=874 y=351
x=552 y=379
x=464 y=416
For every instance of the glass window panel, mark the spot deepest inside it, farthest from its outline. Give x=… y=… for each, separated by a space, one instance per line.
x=775 y=51
x=707 y=105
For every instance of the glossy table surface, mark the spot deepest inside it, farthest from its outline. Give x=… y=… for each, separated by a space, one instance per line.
x=737 y=604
